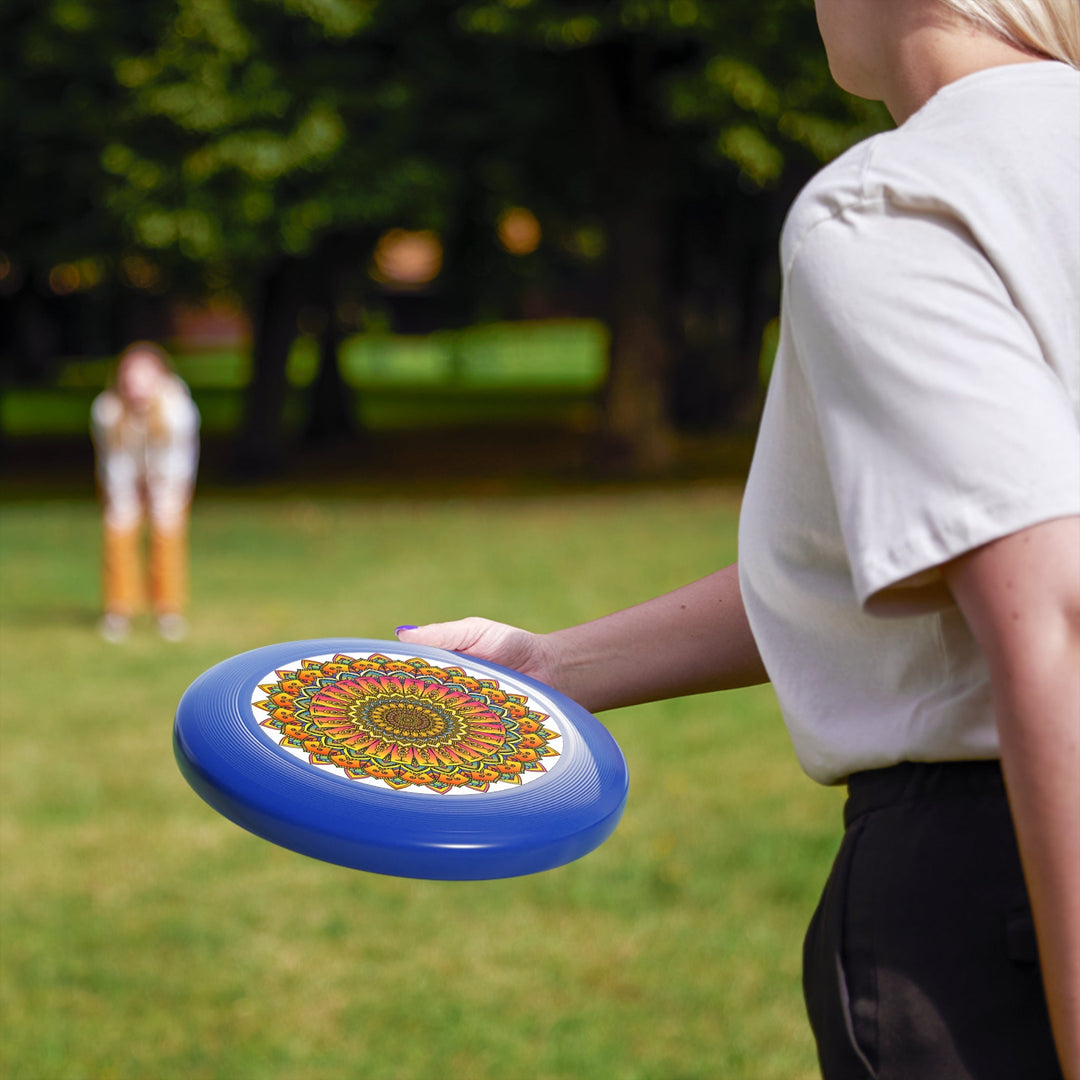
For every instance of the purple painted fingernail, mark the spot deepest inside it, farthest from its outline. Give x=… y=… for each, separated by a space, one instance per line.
x=397 y=630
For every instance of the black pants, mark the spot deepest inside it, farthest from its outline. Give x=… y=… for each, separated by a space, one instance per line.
x=920 y=961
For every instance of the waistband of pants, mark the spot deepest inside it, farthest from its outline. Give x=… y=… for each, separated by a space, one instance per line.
x=911 y=782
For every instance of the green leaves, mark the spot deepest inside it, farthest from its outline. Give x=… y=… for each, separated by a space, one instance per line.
x=336 y=18
x=228 y=131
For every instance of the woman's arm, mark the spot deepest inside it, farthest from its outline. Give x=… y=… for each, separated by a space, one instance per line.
x=1021 y=598
x=689 y=641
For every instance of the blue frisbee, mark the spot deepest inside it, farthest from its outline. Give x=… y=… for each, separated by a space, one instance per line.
x=400 y=759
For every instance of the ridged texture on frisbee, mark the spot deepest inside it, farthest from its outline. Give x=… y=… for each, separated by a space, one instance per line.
x=400 y=759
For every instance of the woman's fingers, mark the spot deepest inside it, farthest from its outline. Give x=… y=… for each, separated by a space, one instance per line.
x=483 y=638
x=461 y=635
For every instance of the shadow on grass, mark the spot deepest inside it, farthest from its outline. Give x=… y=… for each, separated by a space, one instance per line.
x=426 y=463
x=50 y=617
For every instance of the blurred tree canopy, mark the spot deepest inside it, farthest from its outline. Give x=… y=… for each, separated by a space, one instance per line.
x=261 y=147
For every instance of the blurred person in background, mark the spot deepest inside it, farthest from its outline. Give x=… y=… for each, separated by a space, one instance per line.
x=909 y=549
x=146 y=437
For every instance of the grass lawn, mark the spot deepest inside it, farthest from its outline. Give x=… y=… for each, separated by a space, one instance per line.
x=143 y=936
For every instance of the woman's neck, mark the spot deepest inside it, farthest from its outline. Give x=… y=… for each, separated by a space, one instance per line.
x=930 y=53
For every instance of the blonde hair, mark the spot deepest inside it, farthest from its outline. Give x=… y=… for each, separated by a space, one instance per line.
x=1048 y=27
x=144 y=347
x=156 y=425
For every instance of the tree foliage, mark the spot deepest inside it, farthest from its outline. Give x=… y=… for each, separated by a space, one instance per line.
x=262 y=146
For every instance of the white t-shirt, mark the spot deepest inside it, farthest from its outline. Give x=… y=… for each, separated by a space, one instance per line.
x=146 y=462
x=925 y=400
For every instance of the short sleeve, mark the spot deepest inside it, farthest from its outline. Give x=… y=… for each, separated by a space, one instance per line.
x=180 y=412
x=944 y=426
x=105 y=414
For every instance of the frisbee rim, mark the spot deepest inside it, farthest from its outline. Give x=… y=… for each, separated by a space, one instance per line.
x=249 y=779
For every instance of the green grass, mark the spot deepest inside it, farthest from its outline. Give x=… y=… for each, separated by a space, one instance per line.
x=144 y=936
x=30 y=411
x=547 y=371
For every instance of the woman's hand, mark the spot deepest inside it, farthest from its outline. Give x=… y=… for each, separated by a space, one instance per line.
x=501 y=644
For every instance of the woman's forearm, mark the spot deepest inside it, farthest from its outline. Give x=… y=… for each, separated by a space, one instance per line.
x=689 y=641
x=1040 y=752
x=1021 y=598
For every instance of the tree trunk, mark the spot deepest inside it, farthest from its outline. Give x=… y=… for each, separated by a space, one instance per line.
x=262 y=444
x=727 y=285
x=636 y=413
x=34 y=346
x=635 y=191
x=331 y=416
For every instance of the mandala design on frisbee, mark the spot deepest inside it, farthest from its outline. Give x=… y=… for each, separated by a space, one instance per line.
x=406 y=724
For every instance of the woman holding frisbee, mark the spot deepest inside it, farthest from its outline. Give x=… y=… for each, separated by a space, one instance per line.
x=909 y=573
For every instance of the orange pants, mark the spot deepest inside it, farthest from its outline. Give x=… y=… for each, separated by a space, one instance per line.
x=124 y=584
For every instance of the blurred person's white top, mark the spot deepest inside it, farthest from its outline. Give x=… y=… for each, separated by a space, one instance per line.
x=925 y=400
x=146 y=463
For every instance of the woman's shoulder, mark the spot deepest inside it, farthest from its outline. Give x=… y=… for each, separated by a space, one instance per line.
x=106 y=411
x=177 y=408
x=997 y=142
x=831 y=192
